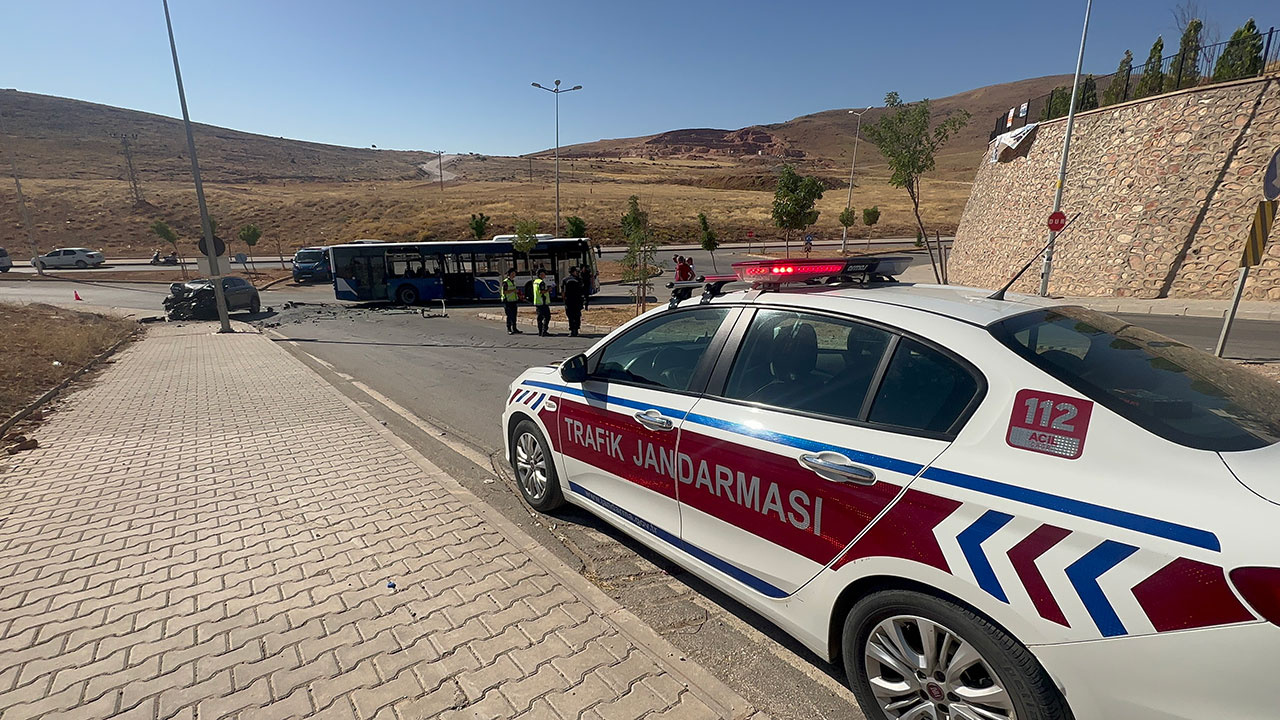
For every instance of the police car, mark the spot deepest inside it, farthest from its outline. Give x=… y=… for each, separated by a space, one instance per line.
x=983 y=507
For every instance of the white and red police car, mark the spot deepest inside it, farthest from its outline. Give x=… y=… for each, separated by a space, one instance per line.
x=984 y=508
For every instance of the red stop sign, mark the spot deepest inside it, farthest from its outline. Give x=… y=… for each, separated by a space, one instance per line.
x=751 y=233
x=1057 y=221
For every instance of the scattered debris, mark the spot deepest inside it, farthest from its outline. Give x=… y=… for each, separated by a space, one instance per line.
x=391 y=585
x=24 y=443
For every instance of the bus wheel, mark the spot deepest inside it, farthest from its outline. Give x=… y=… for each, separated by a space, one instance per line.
x=407 y=295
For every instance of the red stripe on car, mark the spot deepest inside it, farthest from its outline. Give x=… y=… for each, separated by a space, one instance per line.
x=1189 y=594
x=906 y=532
x=1024 y=556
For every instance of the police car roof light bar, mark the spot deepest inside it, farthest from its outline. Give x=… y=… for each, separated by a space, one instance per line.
x=772 y=274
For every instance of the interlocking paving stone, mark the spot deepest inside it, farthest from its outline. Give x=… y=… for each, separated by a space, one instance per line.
x=209 y=529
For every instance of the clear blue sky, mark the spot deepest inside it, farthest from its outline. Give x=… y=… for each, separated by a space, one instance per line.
x=456 y=75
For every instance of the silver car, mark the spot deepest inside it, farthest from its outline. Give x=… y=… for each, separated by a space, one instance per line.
x=69 y=258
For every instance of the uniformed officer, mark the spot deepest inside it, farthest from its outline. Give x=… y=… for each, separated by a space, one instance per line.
x=511 y=300
x=542 y=302
x=574 y=294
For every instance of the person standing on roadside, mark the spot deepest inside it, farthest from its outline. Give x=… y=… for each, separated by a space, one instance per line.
x=511 y=300
x=684 y=271
x=574 y=295
x=542 y=303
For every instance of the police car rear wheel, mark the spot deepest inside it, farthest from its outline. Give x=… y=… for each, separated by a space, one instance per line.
x=911 y=655
x=535 y=470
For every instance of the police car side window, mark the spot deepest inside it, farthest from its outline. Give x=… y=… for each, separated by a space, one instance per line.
x=663 y=352
x=922 y=389
x=805 y=362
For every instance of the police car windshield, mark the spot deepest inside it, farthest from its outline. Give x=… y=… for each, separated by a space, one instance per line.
x=1175 y=391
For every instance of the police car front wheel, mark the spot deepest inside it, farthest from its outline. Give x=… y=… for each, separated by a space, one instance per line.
x=910 y=655
x=534 y=467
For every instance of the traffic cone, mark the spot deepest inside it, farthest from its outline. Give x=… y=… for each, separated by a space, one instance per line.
x=77 y=294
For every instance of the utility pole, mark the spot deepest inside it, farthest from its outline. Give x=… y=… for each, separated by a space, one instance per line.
x=128 y=160
x=1047 y=268
x=844 y=235
x=440 y=153
x=210 y=250
x=22 y=207
x=557 y=92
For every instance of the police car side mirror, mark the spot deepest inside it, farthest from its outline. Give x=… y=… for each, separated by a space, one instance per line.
x=574 y=370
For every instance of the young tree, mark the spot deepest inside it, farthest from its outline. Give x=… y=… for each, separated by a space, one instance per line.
x=1185 y=70
x=1088 y=99
x=793 y=202
x=905 y=138
x=279 y=246
x=870 y=216
x=848 y=218
x=637 y=264
x=708 y=240
x=479 y=225
x=249 y=235
x=1152 y=80
x=1115 y=92
x=526 y=239
x=577 y=227
x=1242 y=57
x=162 y=230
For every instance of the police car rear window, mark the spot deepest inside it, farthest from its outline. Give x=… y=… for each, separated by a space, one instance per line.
x=1177 y=392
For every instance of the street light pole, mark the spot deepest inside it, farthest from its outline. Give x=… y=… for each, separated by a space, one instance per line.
x=441 y=167
x=210 y=252
x=844 y=235
x=556 y=91
x=1047 y=267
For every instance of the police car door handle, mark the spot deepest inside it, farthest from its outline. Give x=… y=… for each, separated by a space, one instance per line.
x=837 y=468
x=654 y=421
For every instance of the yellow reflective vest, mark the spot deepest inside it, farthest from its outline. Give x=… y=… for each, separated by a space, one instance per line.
x=509 y=291
x=540 y=294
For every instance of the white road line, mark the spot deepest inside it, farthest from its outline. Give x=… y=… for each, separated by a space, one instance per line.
x=435 y=431
x=322 y=362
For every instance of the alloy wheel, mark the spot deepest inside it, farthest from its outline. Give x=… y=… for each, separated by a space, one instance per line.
x=922 y=670
x=531 y=467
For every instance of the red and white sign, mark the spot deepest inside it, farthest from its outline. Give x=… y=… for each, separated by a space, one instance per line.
x=1049 y=423
x=1057 y=221
x=751 y=233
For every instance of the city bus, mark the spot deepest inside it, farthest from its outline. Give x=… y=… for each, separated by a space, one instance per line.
x=411 y=273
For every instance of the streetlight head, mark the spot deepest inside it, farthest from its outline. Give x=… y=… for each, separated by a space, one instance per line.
x=575 y=87
x=557 y=83
x=538 y=86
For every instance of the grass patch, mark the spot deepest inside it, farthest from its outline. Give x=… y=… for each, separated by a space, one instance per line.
x=44 y=345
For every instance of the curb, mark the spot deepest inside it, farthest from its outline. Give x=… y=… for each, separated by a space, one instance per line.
x=85 y=281
x=53 y=392
x=1171 y=310
x=701 y=683
x=557 y=324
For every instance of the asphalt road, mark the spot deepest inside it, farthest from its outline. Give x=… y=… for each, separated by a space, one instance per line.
x=453 y=374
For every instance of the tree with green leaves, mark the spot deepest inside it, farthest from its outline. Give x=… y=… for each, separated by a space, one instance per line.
x=1242 y=57
x=249 y=235
x=707 y=239
x=1185 y=70
x=871 y=215
x=576 y=227
x=642 y=252
x=1152 y=80
x=848 y=218
x=479 y=225
x=793 y=202
x=1088 y=99
x=526 y=240
x=162 y=230
x=1115 y=91
x=909 y=140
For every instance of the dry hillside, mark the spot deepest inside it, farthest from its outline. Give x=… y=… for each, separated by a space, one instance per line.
x=302 y=193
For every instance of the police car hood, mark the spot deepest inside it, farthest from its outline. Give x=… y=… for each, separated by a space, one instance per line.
x=1259 y=470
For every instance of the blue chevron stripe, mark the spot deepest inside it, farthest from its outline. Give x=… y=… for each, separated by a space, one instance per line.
x=970 y=541
x=536 y=403
x=1084 y=574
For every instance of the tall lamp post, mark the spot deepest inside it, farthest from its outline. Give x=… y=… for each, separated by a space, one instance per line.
x=1047 y=267
x=844 y=235
x=440 y=154
x=556 y=91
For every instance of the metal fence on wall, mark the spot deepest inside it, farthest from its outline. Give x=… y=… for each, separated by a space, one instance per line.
x=1175 y=72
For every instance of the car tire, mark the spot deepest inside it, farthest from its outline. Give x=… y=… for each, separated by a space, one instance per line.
x=890 y=623
x=255 y=306
x=407 y=295
x=80 y=264
x=535 y=468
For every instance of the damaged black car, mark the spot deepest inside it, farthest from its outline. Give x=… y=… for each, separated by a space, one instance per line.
x=195 y=300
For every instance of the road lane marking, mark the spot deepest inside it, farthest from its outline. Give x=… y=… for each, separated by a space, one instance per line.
x=328 y=365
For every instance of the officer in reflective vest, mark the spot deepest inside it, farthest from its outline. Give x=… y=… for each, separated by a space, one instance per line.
x=542 y=302
x=511 y=300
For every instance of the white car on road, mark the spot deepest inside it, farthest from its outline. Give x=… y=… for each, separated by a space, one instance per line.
x=983 y=508
x=69 y=258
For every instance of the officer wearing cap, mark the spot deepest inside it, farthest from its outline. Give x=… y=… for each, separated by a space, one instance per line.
x=542 y=302
x=511 y=300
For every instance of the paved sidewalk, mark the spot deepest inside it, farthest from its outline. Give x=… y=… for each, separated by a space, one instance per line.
x=210 y=530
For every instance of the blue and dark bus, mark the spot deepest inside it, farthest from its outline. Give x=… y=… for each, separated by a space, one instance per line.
x=410 y=273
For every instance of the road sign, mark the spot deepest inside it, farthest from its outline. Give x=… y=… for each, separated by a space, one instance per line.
x=1057 y=221
x=1263 y=218
x=219 y=247
x=751 y=233
x=1271 y=178
x=808 y=238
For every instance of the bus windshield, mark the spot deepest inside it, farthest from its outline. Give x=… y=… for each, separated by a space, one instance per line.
x=410 y=273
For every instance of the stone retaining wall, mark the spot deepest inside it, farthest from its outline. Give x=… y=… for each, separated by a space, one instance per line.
x=1166 y=190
